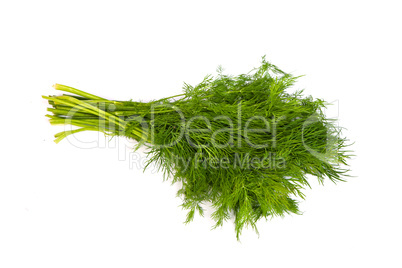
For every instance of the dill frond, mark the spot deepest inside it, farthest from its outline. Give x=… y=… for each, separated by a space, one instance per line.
x=242 y=143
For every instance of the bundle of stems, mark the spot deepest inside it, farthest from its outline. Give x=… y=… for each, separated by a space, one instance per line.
x=240 y=143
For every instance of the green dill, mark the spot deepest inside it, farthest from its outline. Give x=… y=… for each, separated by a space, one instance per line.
x=242 y=143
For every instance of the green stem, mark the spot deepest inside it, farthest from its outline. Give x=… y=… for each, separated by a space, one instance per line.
x=76 y=91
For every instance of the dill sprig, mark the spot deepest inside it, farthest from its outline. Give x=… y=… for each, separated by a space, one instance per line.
x=241 y=143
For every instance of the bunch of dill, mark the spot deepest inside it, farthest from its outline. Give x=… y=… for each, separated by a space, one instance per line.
x=241 y=143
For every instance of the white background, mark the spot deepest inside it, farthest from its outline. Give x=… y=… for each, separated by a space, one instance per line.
x=65 y=206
